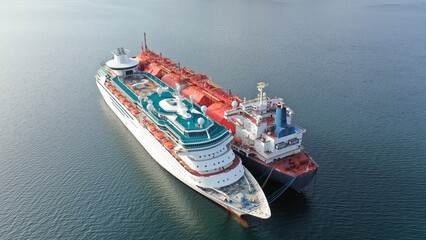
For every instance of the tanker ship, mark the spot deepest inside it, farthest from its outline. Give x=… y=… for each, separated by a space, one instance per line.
x=265 y=138
x=180 y=136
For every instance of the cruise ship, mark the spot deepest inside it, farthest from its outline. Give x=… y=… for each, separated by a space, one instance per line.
x=269 y=144
x=179 y=135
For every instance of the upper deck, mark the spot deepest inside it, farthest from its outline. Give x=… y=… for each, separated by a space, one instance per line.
x=169 y=111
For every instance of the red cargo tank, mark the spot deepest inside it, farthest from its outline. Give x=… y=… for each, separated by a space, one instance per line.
x=199 y=97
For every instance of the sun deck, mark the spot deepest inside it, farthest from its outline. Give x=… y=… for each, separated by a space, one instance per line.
x=141 y=88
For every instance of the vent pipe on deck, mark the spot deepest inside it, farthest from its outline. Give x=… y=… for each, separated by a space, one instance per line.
x=144 y=38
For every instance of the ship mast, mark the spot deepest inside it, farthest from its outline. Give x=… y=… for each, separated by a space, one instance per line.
x=260 y=87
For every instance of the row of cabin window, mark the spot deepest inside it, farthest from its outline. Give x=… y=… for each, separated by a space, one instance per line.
x=216 y=152
x=213 y=164
x=226 y=179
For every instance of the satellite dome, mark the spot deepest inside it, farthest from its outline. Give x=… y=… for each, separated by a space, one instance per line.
x=160 y=91
x=234 y=104
x=150 y=107
x=204 y=109
x=200 y=121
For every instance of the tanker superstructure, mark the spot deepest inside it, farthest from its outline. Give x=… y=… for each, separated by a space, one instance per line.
x=180 y=136
x=263 y=133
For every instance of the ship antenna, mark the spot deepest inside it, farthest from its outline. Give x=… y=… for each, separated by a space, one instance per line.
x=260 y=87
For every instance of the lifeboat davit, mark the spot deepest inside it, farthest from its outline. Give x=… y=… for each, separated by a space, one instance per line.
x=159 y=135
x=128 y=104
x=168 y=144
x=108 y=84
x=134 y=111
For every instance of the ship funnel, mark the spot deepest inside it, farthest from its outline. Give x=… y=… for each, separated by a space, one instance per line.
x=281 y=127
x=120 y=55
x=278 y=117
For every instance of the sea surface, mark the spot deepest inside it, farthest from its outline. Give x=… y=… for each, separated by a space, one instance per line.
x=353 y=71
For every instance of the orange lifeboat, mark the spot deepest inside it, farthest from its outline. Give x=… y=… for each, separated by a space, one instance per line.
x=168 y=144
x=134 y=111
x=151 y=127
x=108 y=84
x=123 y=99
x=238 y=140
x=128 y=104
x=117 y=93
x=112 y=88
x=159 y=135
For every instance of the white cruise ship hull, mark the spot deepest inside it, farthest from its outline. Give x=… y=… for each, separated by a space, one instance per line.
x=160 y=154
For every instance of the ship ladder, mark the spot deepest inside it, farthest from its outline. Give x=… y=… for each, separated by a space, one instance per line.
x=280 y=191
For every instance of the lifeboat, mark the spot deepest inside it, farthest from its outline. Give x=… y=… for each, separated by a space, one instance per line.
x=159 y=135
x=117 y=93
x=168 y=144
x=123 y=99
x=151 y=127
x=134 y=111
x=128 y=104
x=108 y=84
x=238 y=140
x=112 y=88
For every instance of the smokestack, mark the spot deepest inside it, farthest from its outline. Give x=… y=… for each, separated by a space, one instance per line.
x=278 y=121
x=284 y=117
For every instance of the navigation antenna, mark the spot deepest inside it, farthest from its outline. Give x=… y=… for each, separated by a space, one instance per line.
x=260 y=87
